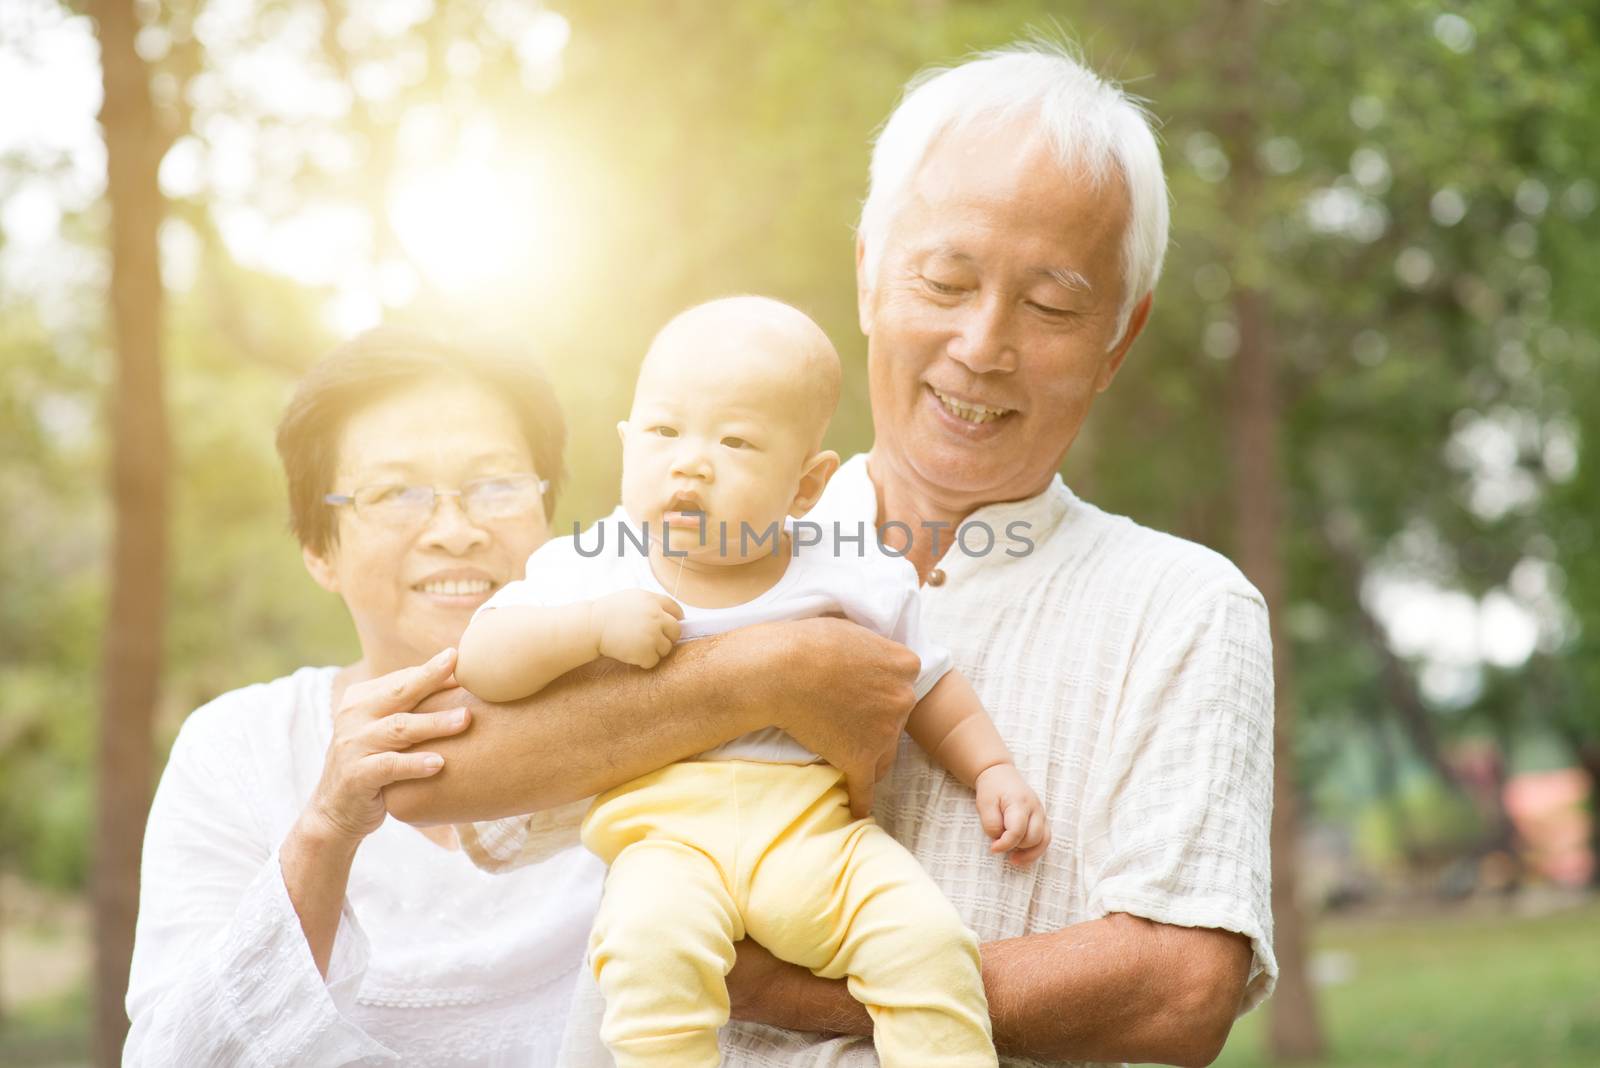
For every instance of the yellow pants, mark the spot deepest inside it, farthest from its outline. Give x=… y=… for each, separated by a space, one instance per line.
x=703 y=853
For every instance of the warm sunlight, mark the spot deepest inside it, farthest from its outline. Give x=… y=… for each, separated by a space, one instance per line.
x=472 y=223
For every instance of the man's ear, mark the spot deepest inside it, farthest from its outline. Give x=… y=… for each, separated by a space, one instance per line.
x=622 y=431
x=863 y=288
x=1136 y=323
x=321 y=568
x=813 y=480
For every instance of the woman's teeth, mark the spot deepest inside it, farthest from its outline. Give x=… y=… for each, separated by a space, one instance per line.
x=972 y=413
x=457 y=589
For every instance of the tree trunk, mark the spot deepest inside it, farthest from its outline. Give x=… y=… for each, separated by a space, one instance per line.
x=1294 y=1031
x=131 y=653
x=1589 y=760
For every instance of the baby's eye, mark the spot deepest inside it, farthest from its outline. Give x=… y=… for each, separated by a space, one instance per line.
x=664 y=431
x=735 y=443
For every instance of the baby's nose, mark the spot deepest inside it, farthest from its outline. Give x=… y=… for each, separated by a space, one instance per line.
x=692 y=463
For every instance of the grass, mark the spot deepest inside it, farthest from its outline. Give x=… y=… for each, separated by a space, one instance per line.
x=1463 y=991
x=47 y=1033
x=1456 y=990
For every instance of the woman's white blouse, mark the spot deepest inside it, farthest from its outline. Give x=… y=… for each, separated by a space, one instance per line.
x=434 y=963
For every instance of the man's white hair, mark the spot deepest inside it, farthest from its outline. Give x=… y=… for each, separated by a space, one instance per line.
x=1092 y=124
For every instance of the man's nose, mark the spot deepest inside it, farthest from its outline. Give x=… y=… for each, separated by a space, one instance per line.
x=983 y=339
x=450 y=527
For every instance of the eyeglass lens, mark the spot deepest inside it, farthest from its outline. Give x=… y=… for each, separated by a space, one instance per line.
x=488 y=498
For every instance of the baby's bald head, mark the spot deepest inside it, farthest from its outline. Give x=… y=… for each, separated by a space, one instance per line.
x=773 y=346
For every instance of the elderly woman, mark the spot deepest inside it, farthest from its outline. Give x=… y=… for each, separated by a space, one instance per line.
x=284 y=918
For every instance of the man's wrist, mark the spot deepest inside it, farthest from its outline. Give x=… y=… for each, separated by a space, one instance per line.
x=824 y=1005
x=762 y=655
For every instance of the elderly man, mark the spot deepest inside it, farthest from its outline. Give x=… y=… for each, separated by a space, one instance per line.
x=1007 y=255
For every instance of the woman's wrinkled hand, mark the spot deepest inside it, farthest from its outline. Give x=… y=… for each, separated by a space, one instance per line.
x=374 y=730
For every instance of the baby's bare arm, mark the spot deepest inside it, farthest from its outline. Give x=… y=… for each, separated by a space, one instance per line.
x=508 y=653
x=951 y=725
x=511 y=652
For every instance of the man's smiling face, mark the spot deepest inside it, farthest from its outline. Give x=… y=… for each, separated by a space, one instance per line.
x=992 y=320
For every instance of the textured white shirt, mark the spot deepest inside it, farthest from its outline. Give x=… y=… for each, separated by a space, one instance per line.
x=434 y=963
x=878 y=592
x=1130 y=672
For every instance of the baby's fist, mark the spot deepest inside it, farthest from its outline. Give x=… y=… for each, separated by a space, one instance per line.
x=1011 y=814
x=636 y=626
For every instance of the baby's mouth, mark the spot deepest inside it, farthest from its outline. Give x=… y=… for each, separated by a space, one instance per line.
x=684 y=510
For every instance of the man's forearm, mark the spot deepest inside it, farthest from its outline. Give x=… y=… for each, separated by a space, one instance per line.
x=1119 y=988
x=1114 y=989
x=589 y=731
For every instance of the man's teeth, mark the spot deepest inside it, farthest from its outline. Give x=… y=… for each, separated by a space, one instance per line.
x=457 y=589
x=972 y=413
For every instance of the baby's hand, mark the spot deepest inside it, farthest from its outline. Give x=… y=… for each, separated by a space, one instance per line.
x=1011 y=814
x=636 y=626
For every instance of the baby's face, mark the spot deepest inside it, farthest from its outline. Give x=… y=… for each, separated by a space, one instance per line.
x=713 y=430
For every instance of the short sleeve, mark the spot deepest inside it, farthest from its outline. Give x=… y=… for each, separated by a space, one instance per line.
x=1177 y=817
x=886 y=590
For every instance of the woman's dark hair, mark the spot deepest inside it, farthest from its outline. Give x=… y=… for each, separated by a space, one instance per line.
x=377 y=364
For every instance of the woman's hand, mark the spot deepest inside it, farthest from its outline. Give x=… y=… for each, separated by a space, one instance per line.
x=374 y=729
x=844 y=693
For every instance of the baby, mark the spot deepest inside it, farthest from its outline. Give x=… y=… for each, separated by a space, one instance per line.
x=753 y=838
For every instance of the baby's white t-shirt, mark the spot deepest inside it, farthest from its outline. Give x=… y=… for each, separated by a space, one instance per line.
x=858 y=581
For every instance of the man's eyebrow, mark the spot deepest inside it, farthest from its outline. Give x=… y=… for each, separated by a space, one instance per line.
x=948 y=252
x=1062 y=276
x=1067 y=278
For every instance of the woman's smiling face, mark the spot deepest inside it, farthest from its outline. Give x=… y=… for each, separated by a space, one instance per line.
x=412 y=587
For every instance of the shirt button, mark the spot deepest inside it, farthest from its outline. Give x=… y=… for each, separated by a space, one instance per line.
x=936 y=577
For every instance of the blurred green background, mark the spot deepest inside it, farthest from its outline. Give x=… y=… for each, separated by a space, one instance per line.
x=1404 y=191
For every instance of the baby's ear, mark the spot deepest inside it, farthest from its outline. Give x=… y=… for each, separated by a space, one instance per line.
x=622 y=431
x=813 y=480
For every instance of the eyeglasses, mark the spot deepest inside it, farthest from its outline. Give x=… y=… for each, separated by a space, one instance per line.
x=484 y=500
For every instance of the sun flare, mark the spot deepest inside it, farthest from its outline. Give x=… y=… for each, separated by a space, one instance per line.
x=469 y=224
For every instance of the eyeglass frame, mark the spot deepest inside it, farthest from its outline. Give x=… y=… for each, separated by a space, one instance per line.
x=339 y=500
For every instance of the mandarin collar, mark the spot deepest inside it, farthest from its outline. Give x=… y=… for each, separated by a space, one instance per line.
x=1043 y=512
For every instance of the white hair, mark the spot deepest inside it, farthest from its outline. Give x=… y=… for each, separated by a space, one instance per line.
x=1093 y=125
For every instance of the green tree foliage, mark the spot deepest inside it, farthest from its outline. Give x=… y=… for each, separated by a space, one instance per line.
x=1427 y=210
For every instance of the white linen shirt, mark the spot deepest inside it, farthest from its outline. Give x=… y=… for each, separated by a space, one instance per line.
x=434 y=962
x=1130 y=672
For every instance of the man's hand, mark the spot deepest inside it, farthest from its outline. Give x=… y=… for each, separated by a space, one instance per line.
x=635 y=626
x=844 y=693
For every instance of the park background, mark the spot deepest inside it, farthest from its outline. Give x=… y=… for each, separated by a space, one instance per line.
x=1371 y=378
